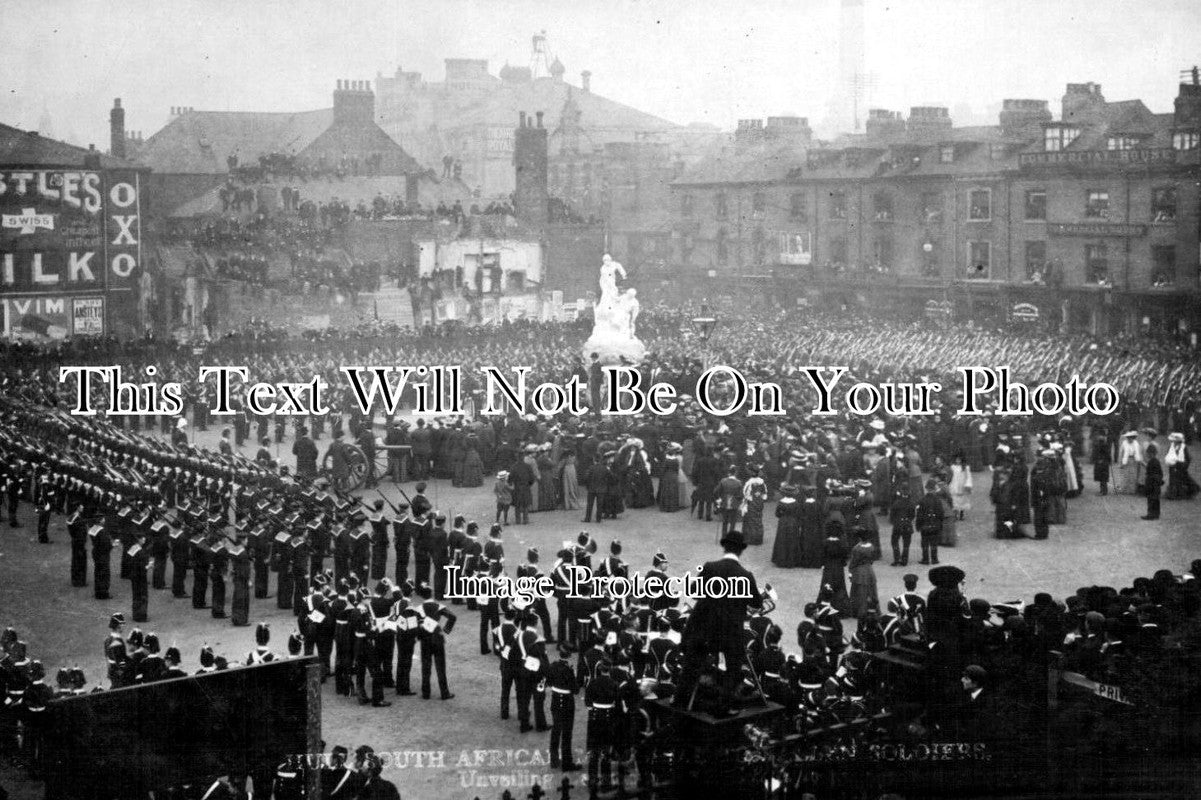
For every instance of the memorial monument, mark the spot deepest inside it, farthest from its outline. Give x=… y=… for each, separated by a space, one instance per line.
x=615 y=315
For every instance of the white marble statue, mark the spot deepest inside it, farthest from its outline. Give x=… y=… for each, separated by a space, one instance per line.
x=614 y=318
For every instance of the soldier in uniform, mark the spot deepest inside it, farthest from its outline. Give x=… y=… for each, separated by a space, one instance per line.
x=33 y=702
x=531 y=666
x=338 y=782
x=385 y=634
x=600 y=696
x=261 y=654
x=407 y=621
x=538 y=606
x=433 y=641
x=560 y=679
x=172 y=659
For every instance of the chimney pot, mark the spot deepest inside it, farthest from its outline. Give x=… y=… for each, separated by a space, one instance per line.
x=116 y=102
x=521 y=119
x=539 y=116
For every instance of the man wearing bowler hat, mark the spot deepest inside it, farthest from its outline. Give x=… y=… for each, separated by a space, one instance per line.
x=716 y=623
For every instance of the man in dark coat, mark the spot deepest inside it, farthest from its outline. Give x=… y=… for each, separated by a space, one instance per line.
x=596 y=480
x=1101 y=460
x=716 y=623
x=1153 y=480
x=306 y=454
x=929 y=522
x=945 y=620
x=522 y=478
x=1045 y=482
x=706 y=475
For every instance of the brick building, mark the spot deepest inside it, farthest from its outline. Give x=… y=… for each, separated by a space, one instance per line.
x=1092 y=218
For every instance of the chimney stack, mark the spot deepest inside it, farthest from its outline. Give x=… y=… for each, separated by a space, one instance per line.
x=586 y=80
x=1083 y=102
x=116 y=125
x=530 y=160
x=520 y=119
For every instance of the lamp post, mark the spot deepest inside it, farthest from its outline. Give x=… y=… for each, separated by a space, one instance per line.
x=703 y=326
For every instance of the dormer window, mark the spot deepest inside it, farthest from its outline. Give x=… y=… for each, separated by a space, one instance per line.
x=1058 y=137
x=1186 y=140
x=1122 y=142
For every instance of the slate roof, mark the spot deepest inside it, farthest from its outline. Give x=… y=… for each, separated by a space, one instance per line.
x=28 y=149
x=199 y=142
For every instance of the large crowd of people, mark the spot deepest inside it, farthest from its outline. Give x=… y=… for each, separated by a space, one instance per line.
x=144 y=486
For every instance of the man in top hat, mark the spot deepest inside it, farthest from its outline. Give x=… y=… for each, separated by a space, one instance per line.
x=716 y=623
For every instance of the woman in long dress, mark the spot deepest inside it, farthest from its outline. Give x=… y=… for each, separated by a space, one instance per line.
x=684 y=486
x=949 y=536
x=1130 y=459
x=786 y=551
x=569 y=481
x=863 y=578
x=668 y=495
x=531 y=461
x=639 y=487
x=548 y=489
x=834 y=576
x=473 y=467
x=812 y=515
x=961 y=485
x=754 y=495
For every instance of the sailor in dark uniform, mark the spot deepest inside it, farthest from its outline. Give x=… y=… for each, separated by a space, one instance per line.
x=379 y=541
x=139 y=556
x=77 y=530
x=102 y=547
x=402 y=538
x=219 y=559
x=239 y=558
x=181 y=551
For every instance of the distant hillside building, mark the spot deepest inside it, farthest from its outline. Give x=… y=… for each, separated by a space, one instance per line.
x=197 y=149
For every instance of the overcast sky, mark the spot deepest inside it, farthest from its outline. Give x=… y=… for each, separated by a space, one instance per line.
x=712 y=61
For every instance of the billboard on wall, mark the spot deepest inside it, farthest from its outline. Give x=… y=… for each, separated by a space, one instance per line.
x=69 y=238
